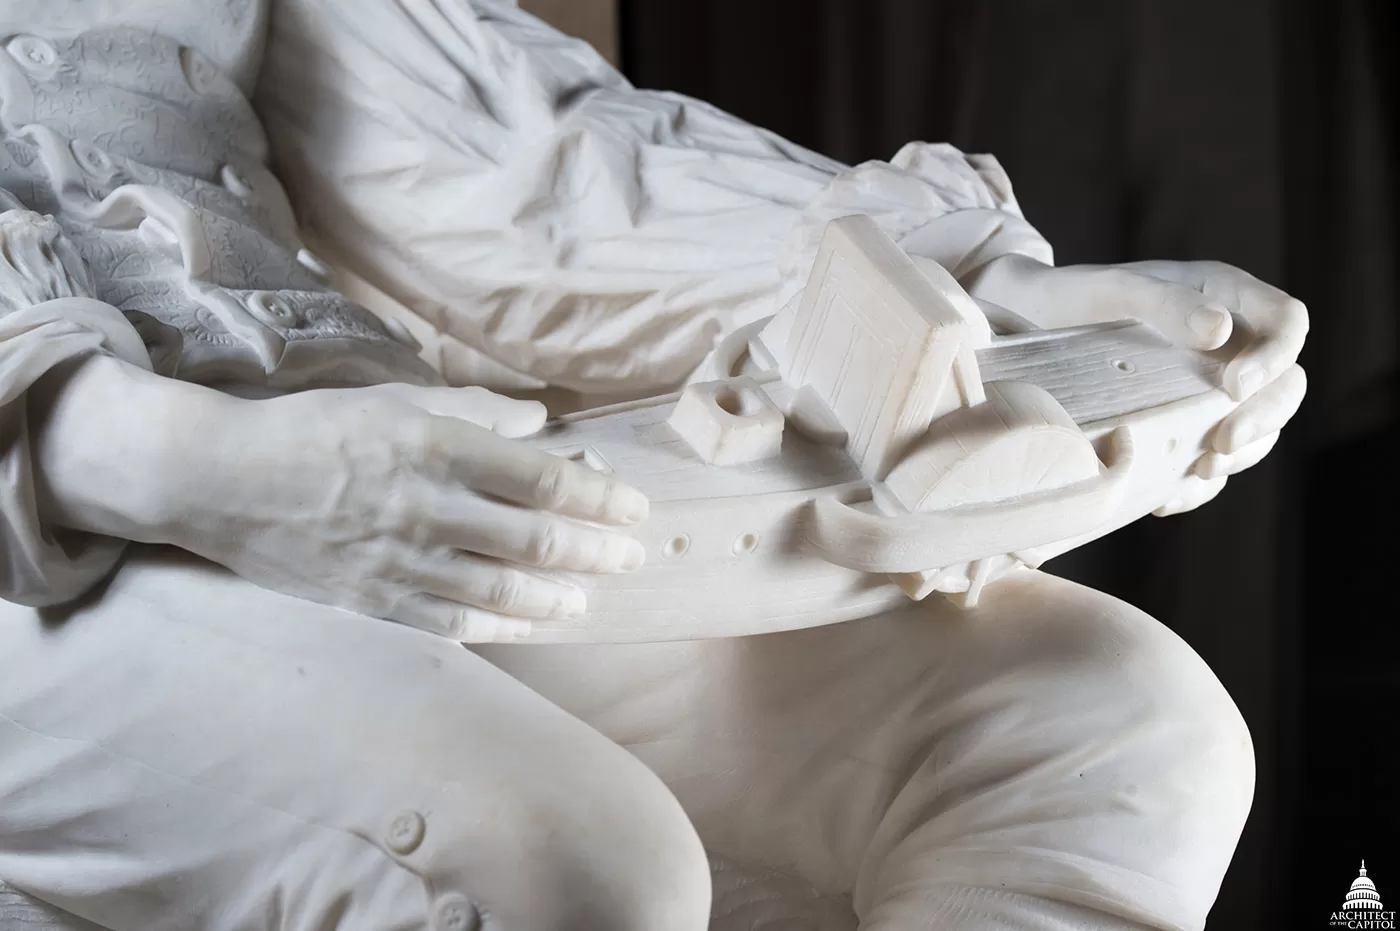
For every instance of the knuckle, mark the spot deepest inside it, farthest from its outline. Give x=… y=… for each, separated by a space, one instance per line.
x=459 y=623
x=416 y=436
x=506 y=594
x=546 y=547
x=397 y=510
x=382 y=572
x=551 y=486
x=377 y=598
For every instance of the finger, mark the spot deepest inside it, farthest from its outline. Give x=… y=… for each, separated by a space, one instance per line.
x=1217 y=465
x=1178 y=312
x=1273 y=351
x=521 y=474
x=496 y=412
x=1265 y=413
x=480 y=582
x=531 y=538
x=1277 y=323
x=459 y=622
x=1202 y=491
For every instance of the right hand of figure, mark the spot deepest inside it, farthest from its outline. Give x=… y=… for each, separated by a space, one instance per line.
x=413 y=504
x=408 y=503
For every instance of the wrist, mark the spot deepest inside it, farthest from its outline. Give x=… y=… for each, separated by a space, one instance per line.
x=112 y=447
x=997 y=281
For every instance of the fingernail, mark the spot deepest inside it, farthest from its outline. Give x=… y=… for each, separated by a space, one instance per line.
x=573 y=604
x=1242 y=436
x=1250 y=379
x=633 y=556
x=1206 y=322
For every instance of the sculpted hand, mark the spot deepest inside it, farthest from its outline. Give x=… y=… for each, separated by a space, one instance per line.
x=407 y=503
x=1252 y=327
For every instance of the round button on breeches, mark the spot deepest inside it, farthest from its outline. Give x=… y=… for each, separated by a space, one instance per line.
x=455 y=912
x=405 y=832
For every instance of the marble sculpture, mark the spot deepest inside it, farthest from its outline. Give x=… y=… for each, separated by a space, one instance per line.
x=871 y=389
x=756 y=637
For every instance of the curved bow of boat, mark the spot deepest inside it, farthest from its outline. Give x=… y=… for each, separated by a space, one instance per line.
x=916 y=542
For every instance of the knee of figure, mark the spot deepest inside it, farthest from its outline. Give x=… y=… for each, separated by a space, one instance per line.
x=1152 y=736
x=1179 y=718
x=618 y=854
x=1100 y=666
x=1187 y=764
x=1069 y=741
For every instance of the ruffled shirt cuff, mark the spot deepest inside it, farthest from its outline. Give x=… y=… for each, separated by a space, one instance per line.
x=41 y=564
x=933 y=200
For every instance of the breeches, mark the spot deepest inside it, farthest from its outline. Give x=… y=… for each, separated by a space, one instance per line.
x=186 y=752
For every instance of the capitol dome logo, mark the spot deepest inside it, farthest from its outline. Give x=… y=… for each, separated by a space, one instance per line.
x=1362 y=907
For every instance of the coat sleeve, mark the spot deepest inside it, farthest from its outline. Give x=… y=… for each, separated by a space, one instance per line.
x=507 y=185
x=48 y=311
x=47 y=317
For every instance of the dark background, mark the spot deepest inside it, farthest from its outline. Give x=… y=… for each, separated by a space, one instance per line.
x=1258 y=132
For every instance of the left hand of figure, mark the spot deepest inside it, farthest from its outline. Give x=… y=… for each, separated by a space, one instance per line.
x=1256 y=329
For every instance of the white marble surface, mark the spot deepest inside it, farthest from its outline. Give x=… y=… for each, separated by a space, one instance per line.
x=234 y=493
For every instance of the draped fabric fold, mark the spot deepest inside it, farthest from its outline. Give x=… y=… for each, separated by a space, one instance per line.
x=41 y=564
x=508 y=186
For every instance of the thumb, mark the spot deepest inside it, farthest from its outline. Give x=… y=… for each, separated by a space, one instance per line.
x=1181 y=314
x=502 y=415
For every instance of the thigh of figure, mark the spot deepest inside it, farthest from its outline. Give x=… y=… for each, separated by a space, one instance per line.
x=185 y=750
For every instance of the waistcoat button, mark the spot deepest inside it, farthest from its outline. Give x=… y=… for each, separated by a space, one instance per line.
x=454 y=912
x=405 y=832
